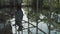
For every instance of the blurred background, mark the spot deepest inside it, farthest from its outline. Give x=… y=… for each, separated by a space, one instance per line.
x=39 y=16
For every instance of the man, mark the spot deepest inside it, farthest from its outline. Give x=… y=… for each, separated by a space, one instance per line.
x=18 y=15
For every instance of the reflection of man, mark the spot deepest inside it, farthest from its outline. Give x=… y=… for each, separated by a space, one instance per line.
x=19 y=15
